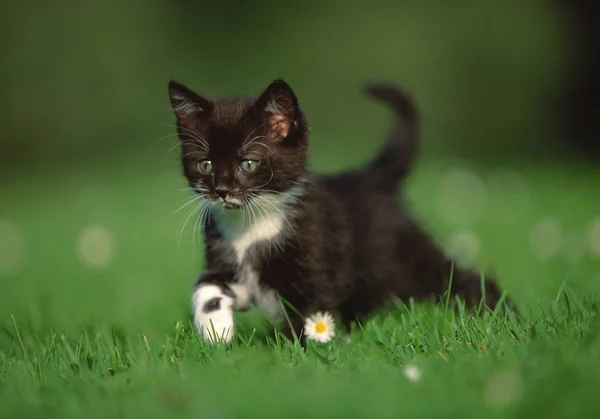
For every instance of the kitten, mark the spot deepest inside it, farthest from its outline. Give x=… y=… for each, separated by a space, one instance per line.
x=339 y=243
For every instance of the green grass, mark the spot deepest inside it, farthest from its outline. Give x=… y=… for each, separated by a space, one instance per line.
x=116 y=341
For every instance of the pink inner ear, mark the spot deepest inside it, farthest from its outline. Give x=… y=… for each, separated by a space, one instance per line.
x=280 y=125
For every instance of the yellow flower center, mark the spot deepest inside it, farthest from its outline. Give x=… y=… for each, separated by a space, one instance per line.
x=320 y=327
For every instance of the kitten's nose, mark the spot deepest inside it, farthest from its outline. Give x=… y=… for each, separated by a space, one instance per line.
x=222 y=191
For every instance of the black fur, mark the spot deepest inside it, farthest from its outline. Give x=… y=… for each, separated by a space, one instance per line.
x=212 y=305
x=348 y=246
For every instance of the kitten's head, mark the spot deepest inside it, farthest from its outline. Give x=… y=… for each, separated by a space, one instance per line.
x=236 y=149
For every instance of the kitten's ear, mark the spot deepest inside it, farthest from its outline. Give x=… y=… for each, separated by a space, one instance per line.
x=186 y=103
x=279 y=105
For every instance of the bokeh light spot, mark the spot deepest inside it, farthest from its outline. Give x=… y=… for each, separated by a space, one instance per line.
x=464 y=247
x=461 y=197
x=545 y=238
x=503 y=387
x=96 y=246
x=574 y=246
x=593 y=235
x=12 y=248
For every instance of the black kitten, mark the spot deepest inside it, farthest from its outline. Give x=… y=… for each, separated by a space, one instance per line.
x=337 y=243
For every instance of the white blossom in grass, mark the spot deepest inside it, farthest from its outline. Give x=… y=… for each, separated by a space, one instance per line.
x=412 y=373
x=320 y=327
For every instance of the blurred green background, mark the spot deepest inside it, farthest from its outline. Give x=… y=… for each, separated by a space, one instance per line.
x=90 y=172
x=87 y=81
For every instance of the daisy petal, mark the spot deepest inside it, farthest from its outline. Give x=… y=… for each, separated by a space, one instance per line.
x=320 y=327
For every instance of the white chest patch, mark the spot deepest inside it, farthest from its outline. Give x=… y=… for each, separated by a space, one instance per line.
x=266 y=228
x=261 y=223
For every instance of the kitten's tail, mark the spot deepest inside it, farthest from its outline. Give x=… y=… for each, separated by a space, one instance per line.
x=393 y=163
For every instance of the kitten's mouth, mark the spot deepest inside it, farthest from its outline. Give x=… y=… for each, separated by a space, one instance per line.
x=228 y=203
x=231 y=205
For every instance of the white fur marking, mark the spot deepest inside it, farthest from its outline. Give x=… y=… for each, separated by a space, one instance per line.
x=265 y=299
x=218 y=322
x=266 y=225
x=272 y=107
x=245 y=230
x=242 y=295
x=186 y=107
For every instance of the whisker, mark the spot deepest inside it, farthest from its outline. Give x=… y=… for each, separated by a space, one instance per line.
x=193 y=141
x=196 y=190
x=286 y=194
x=194 y=210
x=243 y=209
x=268 y=181
x=195 y=135
x=205 y=216
x=252 y=207
x=253 y=141
x=202 y=148
x=253 y=131
x=198 y=219
x=200 y=141
x=191 y=153
x=165 y=137
x=190 y=201
x=263 y=211
x=172 y=148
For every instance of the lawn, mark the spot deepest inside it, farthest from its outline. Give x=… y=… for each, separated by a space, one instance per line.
x=95 y=316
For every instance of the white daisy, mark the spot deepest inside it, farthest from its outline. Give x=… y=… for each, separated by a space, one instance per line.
x=320 y=327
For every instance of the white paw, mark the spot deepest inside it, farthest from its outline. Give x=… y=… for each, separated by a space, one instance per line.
x=213 y=313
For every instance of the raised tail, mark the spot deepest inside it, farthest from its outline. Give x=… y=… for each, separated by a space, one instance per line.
x=394 y=161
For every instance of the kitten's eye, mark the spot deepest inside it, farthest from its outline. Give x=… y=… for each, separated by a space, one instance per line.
x=205 y=166
x=249 y=165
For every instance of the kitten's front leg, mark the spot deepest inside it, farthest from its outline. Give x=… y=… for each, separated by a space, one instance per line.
x=214 y=300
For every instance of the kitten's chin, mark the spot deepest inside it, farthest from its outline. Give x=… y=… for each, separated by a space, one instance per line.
x=231 y=205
